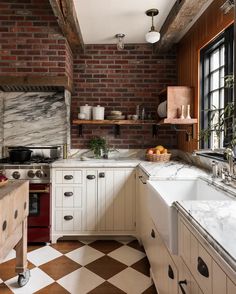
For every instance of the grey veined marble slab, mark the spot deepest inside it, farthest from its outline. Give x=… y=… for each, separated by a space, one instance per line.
x=171 y=170
x=216 y=221
x=34 y=118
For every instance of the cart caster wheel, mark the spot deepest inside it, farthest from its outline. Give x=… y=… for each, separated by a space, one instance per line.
x=23 y=278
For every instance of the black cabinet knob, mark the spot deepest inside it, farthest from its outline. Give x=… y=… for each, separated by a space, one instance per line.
x=153 y=234
x=91 y=177
x=181 y=283
x=68 y=177
x=171 y=273
x=68 y=194
x=4 y=225
x=102 y=175
x=202 y=267
x=68 y=217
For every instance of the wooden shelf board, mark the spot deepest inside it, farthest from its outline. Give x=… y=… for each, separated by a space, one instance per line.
x=178 y=121
x=114 y=122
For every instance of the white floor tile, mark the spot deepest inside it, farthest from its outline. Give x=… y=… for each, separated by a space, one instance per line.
x=80 y=281
x=84 y=255
x=38 y=280
x=11 y=255
x=43 y=255
x=131 y=281
x=127 y=255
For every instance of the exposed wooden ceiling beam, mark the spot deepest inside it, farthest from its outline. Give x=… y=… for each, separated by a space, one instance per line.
x=180 y=16
x=65 y=13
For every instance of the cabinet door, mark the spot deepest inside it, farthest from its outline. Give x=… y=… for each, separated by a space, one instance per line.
x=90 y=213
x=116 y=200
x=218 y=280
x=231 y=287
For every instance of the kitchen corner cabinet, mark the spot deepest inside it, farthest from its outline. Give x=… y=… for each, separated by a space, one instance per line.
x=90 y=201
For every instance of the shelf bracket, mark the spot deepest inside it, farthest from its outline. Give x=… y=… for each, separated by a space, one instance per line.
x=189 y=135
x=80 y=130
x=155 y=130
x=117 y=131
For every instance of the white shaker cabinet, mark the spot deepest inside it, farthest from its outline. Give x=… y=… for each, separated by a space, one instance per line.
x=90 y=201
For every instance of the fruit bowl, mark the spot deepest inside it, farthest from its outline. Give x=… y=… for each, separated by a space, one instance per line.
x=3 y=183
x=158 y=157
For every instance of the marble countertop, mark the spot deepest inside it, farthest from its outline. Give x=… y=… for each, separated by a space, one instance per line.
x=216 y=221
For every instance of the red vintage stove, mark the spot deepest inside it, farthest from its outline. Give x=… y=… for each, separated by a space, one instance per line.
x=37 y=171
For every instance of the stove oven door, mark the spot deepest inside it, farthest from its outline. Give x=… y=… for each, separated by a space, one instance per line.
x=39 y=213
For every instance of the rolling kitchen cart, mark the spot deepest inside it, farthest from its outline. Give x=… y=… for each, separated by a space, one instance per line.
x=14 y=200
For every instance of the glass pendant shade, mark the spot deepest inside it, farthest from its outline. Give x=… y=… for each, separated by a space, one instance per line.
x=152 y=37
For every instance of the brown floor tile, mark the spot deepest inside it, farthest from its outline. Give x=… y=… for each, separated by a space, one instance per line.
x=106 y=267
x=59 y=267
x=105 y=246
x=135 y=244
x=53 y=289
x=150 y=290
x=142 y=266
x=4 y=289
x=7 y=269
x=67 y=246
x=106 y=288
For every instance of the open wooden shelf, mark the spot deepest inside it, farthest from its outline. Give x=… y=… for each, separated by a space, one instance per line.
x=178 y=121
x=114 y=122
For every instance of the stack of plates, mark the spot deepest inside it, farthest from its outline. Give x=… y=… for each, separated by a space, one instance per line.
x=115 y=114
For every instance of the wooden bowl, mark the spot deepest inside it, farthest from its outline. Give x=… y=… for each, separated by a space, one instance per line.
x=2 y=184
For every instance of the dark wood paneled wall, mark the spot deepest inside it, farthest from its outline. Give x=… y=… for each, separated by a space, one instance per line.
x=207 y=27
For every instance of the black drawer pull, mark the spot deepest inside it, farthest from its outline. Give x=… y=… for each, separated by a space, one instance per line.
x=16 y=214
x=4 y=225
x=68 y=194
x=91 y=177
x=142 y=181
x=25 y=205
x=181 y=283
x=68 y=217
x=202 y=267
x=170 y=273
x=68 y=177
x=101 y=175
x=153 y=235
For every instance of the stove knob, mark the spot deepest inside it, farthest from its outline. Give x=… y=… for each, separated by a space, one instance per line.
x=16 y=175
x=39 y=173
x=31 y=174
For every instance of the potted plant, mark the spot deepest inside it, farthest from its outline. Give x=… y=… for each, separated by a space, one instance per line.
x=98 y=145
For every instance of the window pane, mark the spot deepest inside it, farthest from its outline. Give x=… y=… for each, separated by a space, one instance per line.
x=222 y=55
x=214 y=81
x=222 y=74
x=215 y=60
x=215 y=100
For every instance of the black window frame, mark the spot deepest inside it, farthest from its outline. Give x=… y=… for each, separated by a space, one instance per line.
x=226 y=39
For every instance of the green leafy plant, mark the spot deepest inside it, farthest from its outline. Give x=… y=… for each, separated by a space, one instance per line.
x=98 y=145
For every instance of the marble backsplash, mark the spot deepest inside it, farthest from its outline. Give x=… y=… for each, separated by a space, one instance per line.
x=34 y=118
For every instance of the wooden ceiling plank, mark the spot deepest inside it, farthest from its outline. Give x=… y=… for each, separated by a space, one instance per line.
x=65 y=13
x=180 y=16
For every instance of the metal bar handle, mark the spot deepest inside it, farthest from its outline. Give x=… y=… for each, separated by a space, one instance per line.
x=181 y=283
x=141 y=179
x=68 y=194
x=68 y=177
x=39 y=191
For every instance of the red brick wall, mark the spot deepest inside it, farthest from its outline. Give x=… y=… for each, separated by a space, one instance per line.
x=120 y=80
x=30 y=40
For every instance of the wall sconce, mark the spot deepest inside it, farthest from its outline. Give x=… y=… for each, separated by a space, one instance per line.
x=152 y=36
x=120 y=41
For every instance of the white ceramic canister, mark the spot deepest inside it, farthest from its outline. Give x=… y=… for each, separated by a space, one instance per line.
x=87 y=110
x=98 y=112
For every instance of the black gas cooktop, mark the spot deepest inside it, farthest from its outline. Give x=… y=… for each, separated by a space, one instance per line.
x=33 y=160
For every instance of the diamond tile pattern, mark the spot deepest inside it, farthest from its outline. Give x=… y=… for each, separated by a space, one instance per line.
x=96 y=267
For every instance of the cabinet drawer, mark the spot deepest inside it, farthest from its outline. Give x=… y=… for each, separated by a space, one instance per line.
x=68 y=220
x=68 y=177
x=68 y=196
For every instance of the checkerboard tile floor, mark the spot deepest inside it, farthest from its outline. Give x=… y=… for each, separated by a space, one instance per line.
x=96 y=267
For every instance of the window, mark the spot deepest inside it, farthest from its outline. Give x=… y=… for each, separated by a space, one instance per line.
x=216 y=63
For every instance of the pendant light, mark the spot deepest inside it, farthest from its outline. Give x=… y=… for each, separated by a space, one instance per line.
x=152 y=36
x=120 y=41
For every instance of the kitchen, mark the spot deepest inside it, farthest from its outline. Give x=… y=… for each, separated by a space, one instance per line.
x=109 y=227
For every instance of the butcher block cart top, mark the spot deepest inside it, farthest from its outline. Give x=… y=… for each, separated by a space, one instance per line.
x=14 y=209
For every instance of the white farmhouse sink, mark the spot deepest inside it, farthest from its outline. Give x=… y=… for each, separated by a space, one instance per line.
x=163 y=193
